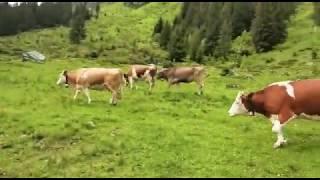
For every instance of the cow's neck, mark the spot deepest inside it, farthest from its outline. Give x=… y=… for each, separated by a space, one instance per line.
x=255 y=103
x=70 y=78
x=166 y=74
x=67 y=78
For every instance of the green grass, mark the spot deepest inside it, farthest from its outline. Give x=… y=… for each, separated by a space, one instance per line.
x=169 y=133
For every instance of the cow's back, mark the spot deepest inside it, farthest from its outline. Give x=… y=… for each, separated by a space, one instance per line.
x=139 y=69
x=307 y=96
x=186 y=72
x=301 y=96
x=92 y=76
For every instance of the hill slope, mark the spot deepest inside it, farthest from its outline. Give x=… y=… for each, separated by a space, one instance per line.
x=169 y=133
x=118 y=32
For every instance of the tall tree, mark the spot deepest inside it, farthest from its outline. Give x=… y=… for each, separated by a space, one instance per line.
x=195 y=46
x=225 y=38
x=158 y=27
x=269 y=27
x=213 y=24
x=165 y=35
x=316 y=13
x=77 y=31
x=242 y=16
x=97 y=10
x=176 y=46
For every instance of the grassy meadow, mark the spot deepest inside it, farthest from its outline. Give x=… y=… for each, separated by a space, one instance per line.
x=169 y=133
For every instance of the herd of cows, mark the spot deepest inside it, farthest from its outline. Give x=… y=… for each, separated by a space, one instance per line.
x=114 y=79
x=280 y=102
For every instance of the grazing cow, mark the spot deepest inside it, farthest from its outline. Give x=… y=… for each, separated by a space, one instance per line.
x=84 y=79
x=137 y=71
x=281 y=102
x=176 y=75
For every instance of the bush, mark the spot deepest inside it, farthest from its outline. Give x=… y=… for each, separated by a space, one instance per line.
x=270 y=60
x=168 y=64
x=92 y=54
x=226 y=72
x=314 y=54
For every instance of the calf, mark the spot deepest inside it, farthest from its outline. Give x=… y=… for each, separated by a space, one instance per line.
x=137 y=71
x=176 y=75
x=84 y=79
x=281 y=102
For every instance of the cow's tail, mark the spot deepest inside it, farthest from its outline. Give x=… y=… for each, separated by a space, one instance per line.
x=134 y=73
x=123 y=80
x=123 y=83
x=200 y=72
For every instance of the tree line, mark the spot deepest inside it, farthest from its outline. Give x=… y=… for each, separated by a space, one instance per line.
x=28 y=15
x=208 y=28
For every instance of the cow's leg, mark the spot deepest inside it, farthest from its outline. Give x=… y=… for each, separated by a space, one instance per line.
x=171 y=82
x=277 y=128
x=200 y=84
x=130 y=78
x=150 y=82
x=76 y=94
x=86 y=92
x=110 y=88
x=200 y=92
x=113 y=99
x=153 y=81
x=119 y=93
x=278 y=124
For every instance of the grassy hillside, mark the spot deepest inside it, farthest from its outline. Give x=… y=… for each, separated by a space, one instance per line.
x=169 y=133
x=290 y=60
x=119 y=32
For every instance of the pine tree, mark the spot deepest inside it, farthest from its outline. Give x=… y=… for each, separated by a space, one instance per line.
x=269 y=27
x=316 y=14
x=225 y=38
x=165 y=35
x=158 y=27
x=97 y=10
x=242 y=16
x=194 y=45
x=77 y=31
x=176 y=46
x=213 y=24
x=279 y=23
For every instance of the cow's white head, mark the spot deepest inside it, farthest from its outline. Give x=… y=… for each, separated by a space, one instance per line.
x=62 y=78
x=238 y=106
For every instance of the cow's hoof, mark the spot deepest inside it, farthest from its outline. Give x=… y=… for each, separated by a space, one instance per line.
x=279 y=144
x=113 y=103
x=198 y=94
x=276 y=145
x=284 y=142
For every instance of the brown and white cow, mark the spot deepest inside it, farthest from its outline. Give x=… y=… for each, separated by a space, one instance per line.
x=177 y=75
x=138 y=71
x=281 y=102
x=84 y=79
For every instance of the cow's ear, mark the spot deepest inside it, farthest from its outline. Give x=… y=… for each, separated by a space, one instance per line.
x=249 y=96
x=65 y=72
x=240 y=93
